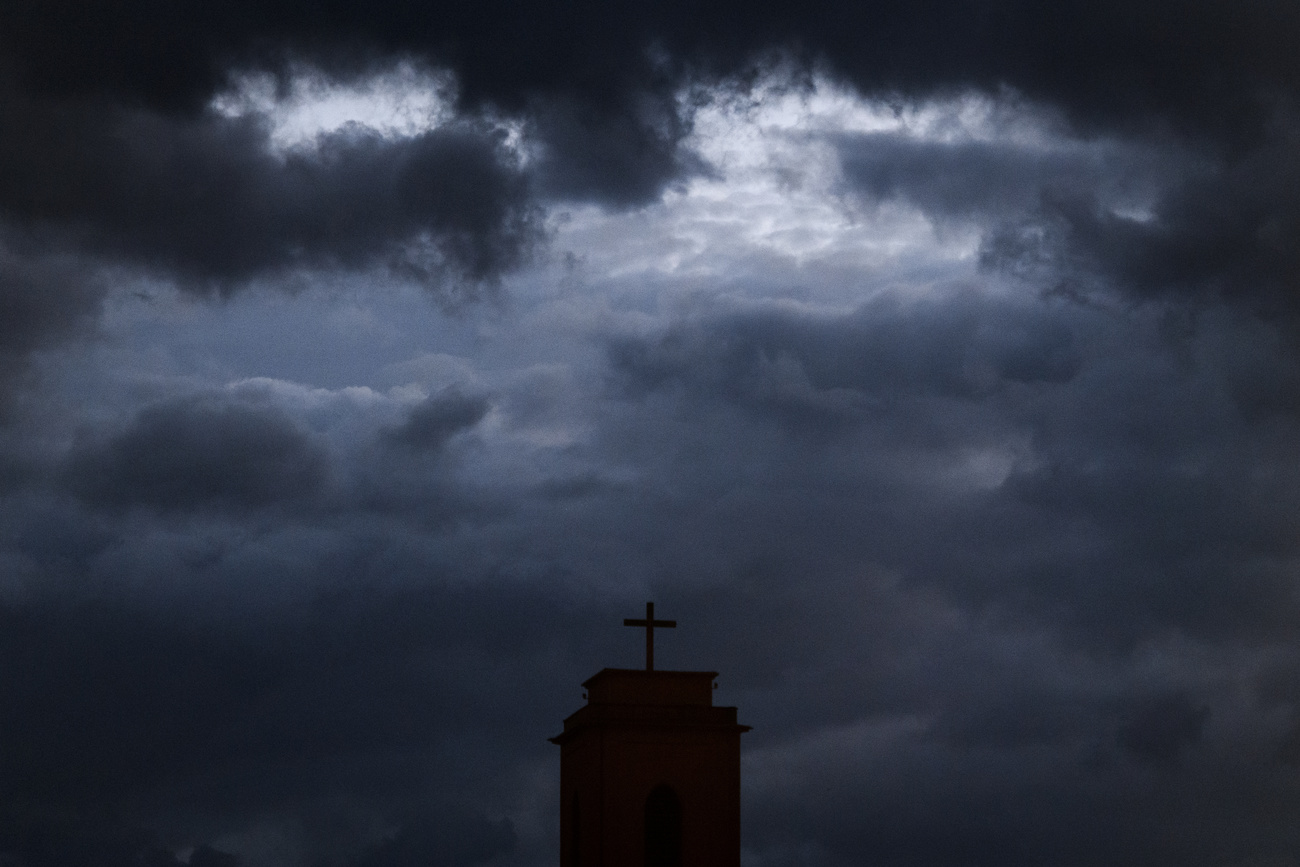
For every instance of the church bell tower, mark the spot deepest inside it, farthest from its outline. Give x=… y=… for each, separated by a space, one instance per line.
x=650 y=770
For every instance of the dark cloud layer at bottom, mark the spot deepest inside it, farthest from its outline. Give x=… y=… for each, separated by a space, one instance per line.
x=996 y=581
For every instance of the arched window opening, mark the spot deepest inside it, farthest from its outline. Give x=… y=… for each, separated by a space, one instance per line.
x=575 y=833
x=663 y=828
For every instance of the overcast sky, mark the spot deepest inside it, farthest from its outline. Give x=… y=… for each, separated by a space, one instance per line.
x=936 y=365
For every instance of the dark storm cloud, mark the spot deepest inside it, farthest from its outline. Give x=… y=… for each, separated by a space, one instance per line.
x=948 y=669
x=205 y=200
x=1198 y=64
x=599 y=81
x=1223 y=231
x=207 y=452
x=59 y=840
x=1164 y=727
x=940 y=669
x=1017 y=754
x=430 y=424
x=450 y=837
x=986 y=180
x=124 y=703
x=41 y=301
x=829 y=368
x=1152 y=481
x=1168 y=538
x=1155 y=220
x=353 y=713
x=108 y=149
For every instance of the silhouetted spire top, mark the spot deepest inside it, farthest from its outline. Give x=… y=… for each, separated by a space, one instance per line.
x=650 y=623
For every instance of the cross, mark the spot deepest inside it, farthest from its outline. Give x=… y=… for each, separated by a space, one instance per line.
x=650 y=623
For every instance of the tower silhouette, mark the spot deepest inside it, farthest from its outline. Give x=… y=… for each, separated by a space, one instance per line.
x=650 y=770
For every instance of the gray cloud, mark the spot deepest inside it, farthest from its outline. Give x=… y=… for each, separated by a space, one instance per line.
x=429 y=425
x=203 y=199
x=1144 y=219
x=1001 y=570
x=1105 y=451
x=353 y=708
x=995 y=180
x=1164 y=727
x=199 y=453
x=42 y=301
x=446 y=837
x=847 y=367
x=56 y=841
x=606 y=116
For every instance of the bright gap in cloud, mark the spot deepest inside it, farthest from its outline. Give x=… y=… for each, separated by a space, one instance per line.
x=777 y=214
x=777 y=206
x=400 y=102
x=736 y=129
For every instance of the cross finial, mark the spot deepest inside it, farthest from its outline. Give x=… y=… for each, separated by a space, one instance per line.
x=650 y=623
